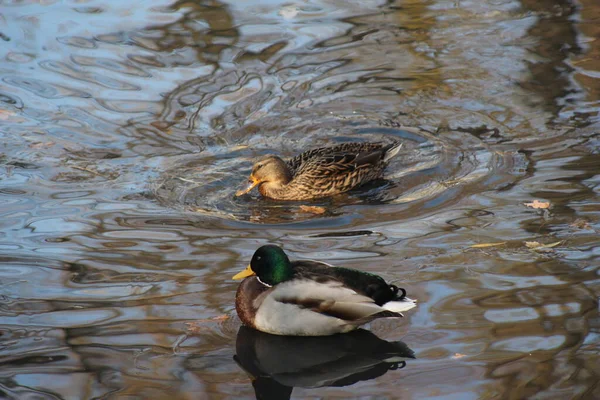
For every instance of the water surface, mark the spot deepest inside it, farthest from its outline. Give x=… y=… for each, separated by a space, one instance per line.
x=126 y=128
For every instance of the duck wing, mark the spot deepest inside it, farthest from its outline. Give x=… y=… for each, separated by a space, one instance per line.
x=365 y=283
x=330 y=298
x=336 y=151
x=318 y=307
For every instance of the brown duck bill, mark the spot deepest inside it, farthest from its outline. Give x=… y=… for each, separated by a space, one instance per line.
x=253 y=183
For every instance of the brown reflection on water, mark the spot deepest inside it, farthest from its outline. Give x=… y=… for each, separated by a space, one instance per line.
x=587 y=64
x=125 y=132
x=550 y=72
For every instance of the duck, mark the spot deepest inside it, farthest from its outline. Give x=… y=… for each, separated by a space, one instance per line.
x=320 y=172
x=312 y=298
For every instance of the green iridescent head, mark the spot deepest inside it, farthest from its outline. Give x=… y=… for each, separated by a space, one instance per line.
x=271 y=265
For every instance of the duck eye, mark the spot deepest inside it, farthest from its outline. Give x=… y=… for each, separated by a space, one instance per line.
x=258 y=258
x=259 y=166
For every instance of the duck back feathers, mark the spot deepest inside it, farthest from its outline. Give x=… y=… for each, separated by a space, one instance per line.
x=368 y=284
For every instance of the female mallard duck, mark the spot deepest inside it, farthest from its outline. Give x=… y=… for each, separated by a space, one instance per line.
x=321 y=172
x=311 y=298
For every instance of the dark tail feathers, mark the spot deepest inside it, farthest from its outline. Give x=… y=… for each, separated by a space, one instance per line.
x=391 y=151
x=396 y=289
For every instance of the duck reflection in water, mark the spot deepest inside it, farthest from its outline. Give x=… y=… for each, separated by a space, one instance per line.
x=276 y=364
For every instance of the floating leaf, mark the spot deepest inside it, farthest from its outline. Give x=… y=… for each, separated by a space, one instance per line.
x=550 y=245
x=41 y=145
x=482 y=245
x=533 y=245
x=541 y=246
x=538 y=204
x=188 y=180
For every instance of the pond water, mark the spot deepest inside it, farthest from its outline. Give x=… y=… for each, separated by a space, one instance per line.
x=127 y=127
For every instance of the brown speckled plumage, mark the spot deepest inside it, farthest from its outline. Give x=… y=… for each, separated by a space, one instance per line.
x=321 y=172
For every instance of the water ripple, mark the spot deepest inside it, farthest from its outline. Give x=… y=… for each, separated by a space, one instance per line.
x=87 y=76
x=44 y=89
x=110 y=65
x=205 y=183
x=77 y=41
x=125 y=132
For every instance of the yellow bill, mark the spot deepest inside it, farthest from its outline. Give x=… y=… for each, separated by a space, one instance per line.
x=252 y=185
x=247 y=272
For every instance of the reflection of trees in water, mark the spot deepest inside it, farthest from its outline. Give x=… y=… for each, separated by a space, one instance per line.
x=548 y=323
x=203 y=33
x=562 y=317
x=358 y=63
x=565 y=203
x=206 y=28
x=590 y=59
x=343 y=68
x=556 y=42
x=362 y=62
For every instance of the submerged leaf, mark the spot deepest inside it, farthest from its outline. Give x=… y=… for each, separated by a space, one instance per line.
x=200 y=325
x=6 y=114
x=580 y=223
x=313 y=209
x=41 y=145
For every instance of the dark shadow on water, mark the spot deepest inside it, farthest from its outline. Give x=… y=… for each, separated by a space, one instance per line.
x=277 y=364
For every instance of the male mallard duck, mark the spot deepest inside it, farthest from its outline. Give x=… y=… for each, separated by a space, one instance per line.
x=311 y=298
x=321 y=172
